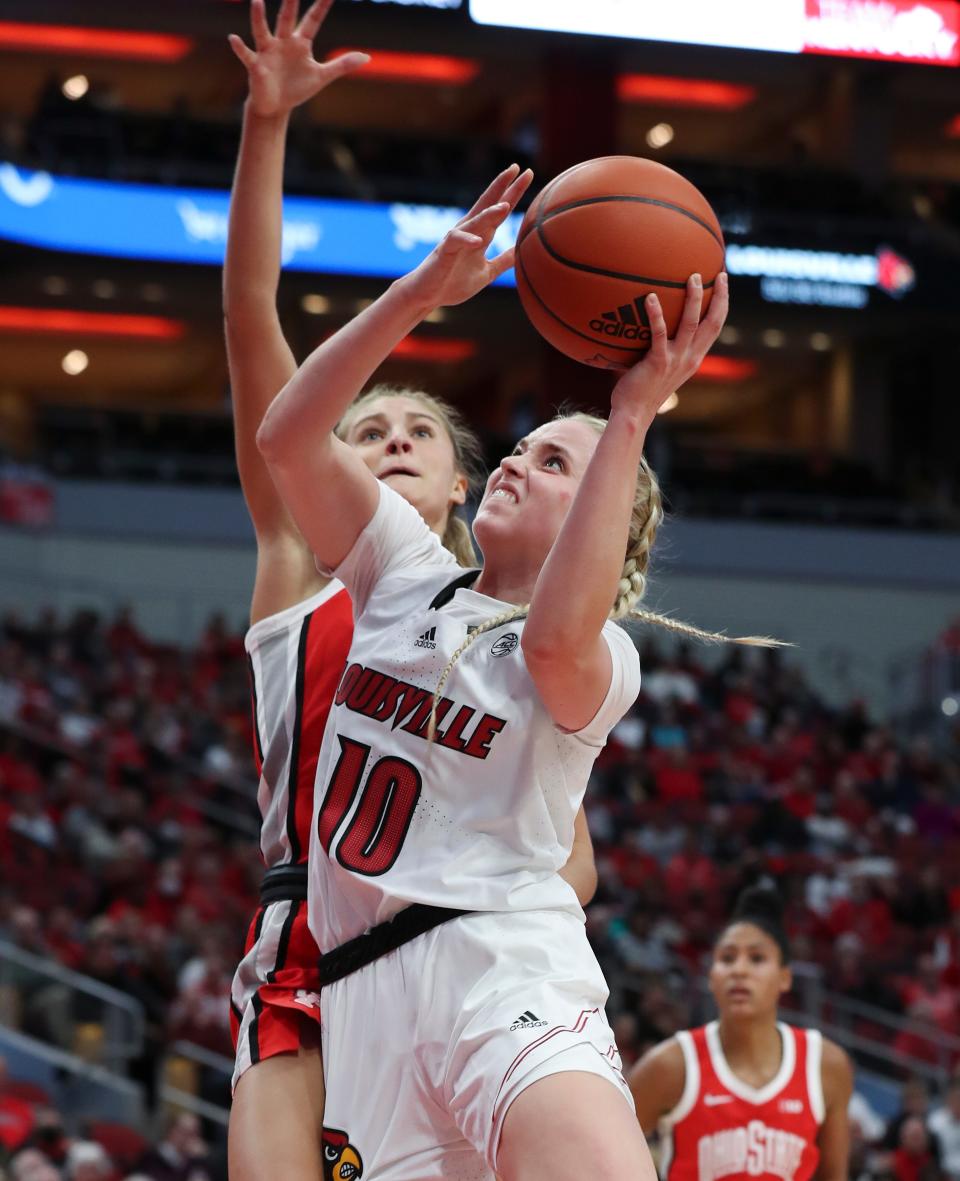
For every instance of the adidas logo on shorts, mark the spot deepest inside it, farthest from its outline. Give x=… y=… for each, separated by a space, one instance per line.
x=527 y=1020
x=428 y=639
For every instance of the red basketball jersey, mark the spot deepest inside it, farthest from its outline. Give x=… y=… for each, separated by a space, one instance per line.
x=296 y=659
x=724 y=1128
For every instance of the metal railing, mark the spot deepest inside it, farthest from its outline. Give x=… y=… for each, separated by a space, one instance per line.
x=206 y=1062
x=46 y=994
x=840 y=1018
x=80 y=1089
x=240 y=814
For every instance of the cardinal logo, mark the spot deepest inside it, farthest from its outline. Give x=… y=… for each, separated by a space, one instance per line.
x=341 y=1161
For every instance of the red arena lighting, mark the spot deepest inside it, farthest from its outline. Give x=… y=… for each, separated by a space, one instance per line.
x=435 y=350
x=87 y=42
x=430 y=68
x=705 y=93
x=726 y=369
x=62 y=320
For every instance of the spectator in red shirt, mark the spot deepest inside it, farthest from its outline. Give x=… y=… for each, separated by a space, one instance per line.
x=690 y=871
x=913 y=1160
x=17 y=1117
x=677 y=779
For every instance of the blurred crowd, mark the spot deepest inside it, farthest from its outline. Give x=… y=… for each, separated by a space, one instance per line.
x=36 y=1146
x=128 y=850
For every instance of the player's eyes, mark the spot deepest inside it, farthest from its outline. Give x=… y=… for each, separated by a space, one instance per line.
x=370 y=434
x=425 y=431
x=555 y=459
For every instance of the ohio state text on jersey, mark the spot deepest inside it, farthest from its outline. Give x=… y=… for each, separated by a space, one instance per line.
x=724 y=1128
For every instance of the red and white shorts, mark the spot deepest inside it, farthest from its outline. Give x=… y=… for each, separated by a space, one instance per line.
x=275 y=995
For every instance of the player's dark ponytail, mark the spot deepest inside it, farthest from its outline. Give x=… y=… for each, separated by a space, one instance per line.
x=763 y=907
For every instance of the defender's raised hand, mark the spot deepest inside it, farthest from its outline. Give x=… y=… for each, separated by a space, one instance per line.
x=281 y=69
x=458 y=267
x=669 y=363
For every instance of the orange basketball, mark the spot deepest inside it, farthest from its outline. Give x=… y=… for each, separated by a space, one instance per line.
x=600 y=237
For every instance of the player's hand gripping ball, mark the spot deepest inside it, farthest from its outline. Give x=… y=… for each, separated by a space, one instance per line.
x=598 y=239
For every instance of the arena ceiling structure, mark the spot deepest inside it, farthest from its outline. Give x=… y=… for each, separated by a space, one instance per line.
x=826 y=134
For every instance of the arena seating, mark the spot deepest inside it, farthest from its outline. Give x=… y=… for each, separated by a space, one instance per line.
x=132 y=759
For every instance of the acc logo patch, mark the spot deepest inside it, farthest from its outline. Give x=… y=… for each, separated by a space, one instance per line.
x=506 y=644
x=341 y=1161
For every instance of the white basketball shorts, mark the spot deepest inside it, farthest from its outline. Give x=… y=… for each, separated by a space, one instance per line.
x=425 y=1049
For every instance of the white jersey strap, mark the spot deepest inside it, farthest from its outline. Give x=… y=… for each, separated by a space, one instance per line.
x=686 y=1104
x=815 y=1074
x=691 y=1079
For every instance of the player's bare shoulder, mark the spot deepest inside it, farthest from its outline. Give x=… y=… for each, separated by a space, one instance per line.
x=836 y=1071
x=657 y=1081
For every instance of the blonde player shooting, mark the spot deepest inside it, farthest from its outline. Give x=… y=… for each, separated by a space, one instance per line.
x=464 y=1008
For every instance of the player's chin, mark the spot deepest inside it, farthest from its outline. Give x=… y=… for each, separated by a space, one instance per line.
x=400 y=480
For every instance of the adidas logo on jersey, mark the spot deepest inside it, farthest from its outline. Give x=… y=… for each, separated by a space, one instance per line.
x=527 y=1020
x=428 y=639
x=713 y=1100
x=628 y=322
x=792 y=1106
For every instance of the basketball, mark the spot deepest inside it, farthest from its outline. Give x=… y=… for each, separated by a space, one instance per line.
x=598 y=239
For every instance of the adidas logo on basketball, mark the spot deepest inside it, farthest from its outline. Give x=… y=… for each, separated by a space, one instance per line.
x=628 y=322
x=527 y=1020
x=428 y=639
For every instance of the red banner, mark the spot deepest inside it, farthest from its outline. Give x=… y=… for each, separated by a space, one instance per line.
x=925 y=31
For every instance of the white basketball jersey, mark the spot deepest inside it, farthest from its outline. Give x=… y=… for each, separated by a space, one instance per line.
x=482 y=818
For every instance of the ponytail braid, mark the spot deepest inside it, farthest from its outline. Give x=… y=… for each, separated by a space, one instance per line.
x=646 y=519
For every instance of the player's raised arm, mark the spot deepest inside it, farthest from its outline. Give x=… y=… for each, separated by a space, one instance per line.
x=282 y=74
x=566 y=655
x=326 y=486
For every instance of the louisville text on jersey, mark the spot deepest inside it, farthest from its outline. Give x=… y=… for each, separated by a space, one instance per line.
x=753 y=1151
x=383 y=698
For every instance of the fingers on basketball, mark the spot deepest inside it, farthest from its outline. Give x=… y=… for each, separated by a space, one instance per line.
x=690 y=316
x=658 y=326
x=502 y=263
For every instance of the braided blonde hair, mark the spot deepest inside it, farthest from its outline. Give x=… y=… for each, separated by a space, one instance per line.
x=645 y=520
x=467 y=455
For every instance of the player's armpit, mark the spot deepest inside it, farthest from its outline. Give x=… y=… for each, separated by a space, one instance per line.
x=581 y=870
x=834 y=1137
x=286 y=574
x=656 y=1083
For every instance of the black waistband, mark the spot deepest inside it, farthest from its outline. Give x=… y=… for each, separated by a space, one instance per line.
x=386 y=937
x=284 y=883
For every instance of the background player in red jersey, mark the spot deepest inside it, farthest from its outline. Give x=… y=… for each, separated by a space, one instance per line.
x=747 y=1095
x=301 y=623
